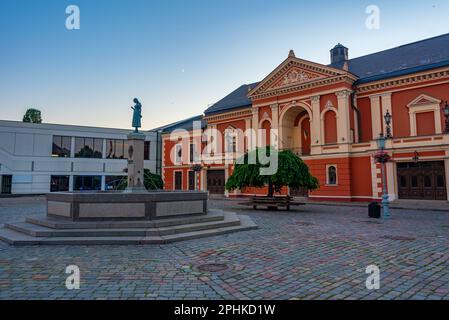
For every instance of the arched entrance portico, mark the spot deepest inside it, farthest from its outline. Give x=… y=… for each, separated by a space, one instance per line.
x=295 y=128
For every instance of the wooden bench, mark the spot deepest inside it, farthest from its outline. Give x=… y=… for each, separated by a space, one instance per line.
x=272 y=202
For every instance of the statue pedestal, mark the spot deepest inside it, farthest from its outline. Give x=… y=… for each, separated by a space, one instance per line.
x=136 y=145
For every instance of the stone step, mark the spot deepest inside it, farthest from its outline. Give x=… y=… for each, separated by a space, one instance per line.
x=19 y=239
x=34 y=230
x=54 y=223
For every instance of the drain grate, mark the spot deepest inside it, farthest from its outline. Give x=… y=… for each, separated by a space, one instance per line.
x=399 y=238
x=213 y=267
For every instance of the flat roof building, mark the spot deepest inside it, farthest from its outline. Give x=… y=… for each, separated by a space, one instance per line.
x=42 y=158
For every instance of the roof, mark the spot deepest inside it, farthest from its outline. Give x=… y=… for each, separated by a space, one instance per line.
x=410 y=58
x=424 y=54
x=186 y=124
x=236 y=99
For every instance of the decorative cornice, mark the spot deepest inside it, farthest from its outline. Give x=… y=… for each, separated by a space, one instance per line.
x=302 y=86
x=230 y=115
x=321 y=72
x=401 y=81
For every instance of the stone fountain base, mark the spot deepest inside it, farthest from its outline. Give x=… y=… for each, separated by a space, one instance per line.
x=124 y=219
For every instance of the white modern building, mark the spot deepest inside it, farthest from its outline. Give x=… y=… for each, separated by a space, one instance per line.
x=42 y=158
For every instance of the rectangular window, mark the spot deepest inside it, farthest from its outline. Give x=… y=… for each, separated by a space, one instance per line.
x=87 y=183
x=192 y=153
x=6 y=185
x=61 y=146
x=116 y=149
x=112 y=182
x=59 y=183
x=178 y=180
x=88 y=147
x=191 y=180
x=146 y=151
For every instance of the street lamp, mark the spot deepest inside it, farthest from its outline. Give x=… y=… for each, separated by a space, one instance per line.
x=383 y=158
x=446 y=115
x=388 y=118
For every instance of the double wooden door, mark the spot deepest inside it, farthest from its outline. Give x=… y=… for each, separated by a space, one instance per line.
x=422 y=180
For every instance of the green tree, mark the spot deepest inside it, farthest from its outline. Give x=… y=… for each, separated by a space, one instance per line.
x=32 y=116
x=292 y=172
x=150 y=180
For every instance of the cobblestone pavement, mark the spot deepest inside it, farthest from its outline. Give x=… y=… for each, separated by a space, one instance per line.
x=316 y=252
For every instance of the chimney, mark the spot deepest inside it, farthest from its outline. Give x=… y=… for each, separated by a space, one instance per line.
x=339 y=54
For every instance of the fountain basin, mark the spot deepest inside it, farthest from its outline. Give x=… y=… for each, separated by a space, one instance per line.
x=98 y=206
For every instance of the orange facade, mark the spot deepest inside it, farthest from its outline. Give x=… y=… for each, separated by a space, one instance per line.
x=331 y=119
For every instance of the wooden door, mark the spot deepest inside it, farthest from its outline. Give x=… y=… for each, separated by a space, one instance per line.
x=216 y=181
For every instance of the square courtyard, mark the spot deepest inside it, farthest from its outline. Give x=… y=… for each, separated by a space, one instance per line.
x=311 y=252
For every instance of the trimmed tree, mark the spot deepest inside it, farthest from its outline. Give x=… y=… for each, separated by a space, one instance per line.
x=150 y=180
x=32 y=116
x=291 y=172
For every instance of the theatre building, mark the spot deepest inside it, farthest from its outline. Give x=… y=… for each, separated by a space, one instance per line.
x=331 y=116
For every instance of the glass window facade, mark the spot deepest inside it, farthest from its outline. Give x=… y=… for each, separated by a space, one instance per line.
x=61 y=146
x=116 y=149
x=59 y=183
x=88 y=147
x=87 y=183
x=112 y=182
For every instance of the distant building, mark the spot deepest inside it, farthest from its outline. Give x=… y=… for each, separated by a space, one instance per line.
x=331 y=116
x=41 y=158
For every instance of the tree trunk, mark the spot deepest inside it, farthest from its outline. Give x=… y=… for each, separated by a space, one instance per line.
x=270 y=189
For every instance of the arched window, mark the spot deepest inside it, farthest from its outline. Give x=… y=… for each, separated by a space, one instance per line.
x=230 y=140
x=331 y=175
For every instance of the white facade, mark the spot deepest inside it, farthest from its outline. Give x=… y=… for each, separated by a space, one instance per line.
x=26 y=154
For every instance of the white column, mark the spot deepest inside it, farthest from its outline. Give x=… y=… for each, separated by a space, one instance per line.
x=375 y=116
x=274 y=126
x=387 y=106
x=256 y=124
x=391 y=180
x=343 y=122
x=316 y=122
x=72 y=147
x=203 y=180
x=248 y=135
x=437 y=117
x=104 y=149
x=103 y=183
x=274 y=116
x=71 y=183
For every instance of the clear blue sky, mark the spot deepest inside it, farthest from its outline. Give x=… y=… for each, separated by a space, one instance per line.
x=177 y=57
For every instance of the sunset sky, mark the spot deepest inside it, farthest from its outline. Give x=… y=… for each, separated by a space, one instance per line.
x=177 y=57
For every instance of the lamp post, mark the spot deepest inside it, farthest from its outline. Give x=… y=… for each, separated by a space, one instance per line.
x=445 y=109
x=381 y=141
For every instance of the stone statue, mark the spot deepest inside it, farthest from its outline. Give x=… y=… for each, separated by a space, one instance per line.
x=137 y=115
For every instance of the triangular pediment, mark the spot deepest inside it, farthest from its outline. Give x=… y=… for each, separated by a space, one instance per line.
x=295 y=72
x=423 y=99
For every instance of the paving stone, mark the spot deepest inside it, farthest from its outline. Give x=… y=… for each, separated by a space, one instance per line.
x=316 y=252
